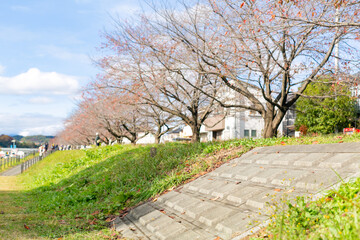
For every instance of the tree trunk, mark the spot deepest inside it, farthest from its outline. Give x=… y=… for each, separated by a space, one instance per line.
x=157 y=139
x=269 y=131
x=196 y=134
x=272 y=123
x=158 y=135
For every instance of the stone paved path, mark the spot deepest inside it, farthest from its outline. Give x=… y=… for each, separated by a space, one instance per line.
x=223 y=202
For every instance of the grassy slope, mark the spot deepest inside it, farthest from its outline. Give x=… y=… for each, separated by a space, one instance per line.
x=75 y=194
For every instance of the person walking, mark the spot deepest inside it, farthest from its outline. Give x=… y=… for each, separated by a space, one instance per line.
x=97 y=140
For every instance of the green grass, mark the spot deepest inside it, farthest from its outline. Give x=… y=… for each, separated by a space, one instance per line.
x=334 y=216
x=75 y=194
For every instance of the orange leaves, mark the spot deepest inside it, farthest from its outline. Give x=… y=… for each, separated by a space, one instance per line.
x=277 y=190
x=242 y=5
x=26 y=227
x=95 y=213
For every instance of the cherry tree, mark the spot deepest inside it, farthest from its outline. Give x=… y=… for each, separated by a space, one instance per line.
x=268 y=51
x=140 y=63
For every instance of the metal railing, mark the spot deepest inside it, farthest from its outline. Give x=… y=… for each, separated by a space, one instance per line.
x=30 y=162
x=9 y=162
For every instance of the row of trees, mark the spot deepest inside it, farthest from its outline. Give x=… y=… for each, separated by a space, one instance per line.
x=187 y=61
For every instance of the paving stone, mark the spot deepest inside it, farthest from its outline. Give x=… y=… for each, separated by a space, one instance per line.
x=240 y=195
x=173 y=200
x=167 y=196
x=141 y=211
x=261 y=200
x=288 y=158
x=266 y=175
x=248 y=158
x=248 y=173
x=192 y=235
x=215 y=215
x=165 y=227
x=225 y=190
x=236 y=224
x=183 y=205
x=339 y=160
x=195 y=211
x=227 y=170
x=311 y=159
x=288 y=177
x=266 y=159
x=211 y=186
x=317 y=180
x=152 y=216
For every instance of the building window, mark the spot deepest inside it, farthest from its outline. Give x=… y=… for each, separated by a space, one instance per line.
x=246 y=133
x=217 y=135
x=253 y=133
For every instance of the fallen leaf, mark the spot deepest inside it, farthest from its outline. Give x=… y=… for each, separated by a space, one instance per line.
x=341 y=141
x=278 y=152
x=218 y=238
x=110 y=219
x=255 y=152
x=172 y=217
x=26 y=227
x=95 y=213
x=277 y=190
x=162 y=211
x=289 y=191
x=155 y=199
x=214 y=199
x=132 y=229
x=237 y=183
x=210 y=179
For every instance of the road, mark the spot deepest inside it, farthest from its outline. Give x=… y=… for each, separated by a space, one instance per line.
x=12 y=172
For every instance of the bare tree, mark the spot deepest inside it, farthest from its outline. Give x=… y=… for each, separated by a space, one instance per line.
x=256 y=48
x=141 y=64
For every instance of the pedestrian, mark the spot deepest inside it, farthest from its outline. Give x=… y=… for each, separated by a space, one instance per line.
x=97 y=140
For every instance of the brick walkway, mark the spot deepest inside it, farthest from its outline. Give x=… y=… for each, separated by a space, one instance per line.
x=224 y=202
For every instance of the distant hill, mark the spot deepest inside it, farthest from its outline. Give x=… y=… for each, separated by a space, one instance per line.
x=24 y=142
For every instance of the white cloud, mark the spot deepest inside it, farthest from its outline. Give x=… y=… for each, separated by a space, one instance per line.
x=30 y=123
x=36 y=82
x=41 y=100
x=43 y=130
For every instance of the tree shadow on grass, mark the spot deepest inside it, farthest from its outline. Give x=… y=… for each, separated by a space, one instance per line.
x=88 y=200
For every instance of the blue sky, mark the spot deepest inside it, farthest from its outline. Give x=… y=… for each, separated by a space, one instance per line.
x=46 y=49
